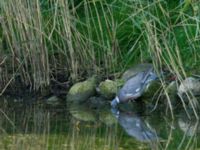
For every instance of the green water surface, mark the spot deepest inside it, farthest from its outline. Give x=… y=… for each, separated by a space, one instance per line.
x=79 y=127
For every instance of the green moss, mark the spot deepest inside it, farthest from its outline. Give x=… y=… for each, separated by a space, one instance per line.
x=152 y=89
x=82 y=91
x=108 y=88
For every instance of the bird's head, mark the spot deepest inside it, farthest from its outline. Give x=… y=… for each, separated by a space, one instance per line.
x=115 y=101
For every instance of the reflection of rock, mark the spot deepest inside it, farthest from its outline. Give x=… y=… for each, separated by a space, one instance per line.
x=108 y=89
x=190 y=128
x=133 y=106
x=136 y=69
x=53 y=100
x=40 y=118
x=190 y=84
x=107 y=117
x=97 y=102
x=81 y=91
x=82 y=112
x=3 y=102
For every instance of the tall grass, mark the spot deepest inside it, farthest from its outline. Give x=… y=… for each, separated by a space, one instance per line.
x=43 y=37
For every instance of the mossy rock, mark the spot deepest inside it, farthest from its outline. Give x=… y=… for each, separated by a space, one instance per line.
x=151 y=90
x=171 y=90
x=108 y=89
x=81 y=91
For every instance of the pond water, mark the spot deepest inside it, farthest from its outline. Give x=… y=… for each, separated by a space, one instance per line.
x=38 y=126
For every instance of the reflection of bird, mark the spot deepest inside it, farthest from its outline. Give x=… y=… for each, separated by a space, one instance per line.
x=134 y=87
x=135 y=126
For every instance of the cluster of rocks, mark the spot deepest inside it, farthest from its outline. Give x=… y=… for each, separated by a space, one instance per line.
x=84 y=113
x=83 y=91
x=88 y=89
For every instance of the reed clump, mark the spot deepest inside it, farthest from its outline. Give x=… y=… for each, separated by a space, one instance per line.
x=39 y=39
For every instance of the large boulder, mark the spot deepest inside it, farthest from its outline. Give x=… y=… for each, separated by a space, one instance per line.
x=188 y=85
x=81 y=91
x=135 y=70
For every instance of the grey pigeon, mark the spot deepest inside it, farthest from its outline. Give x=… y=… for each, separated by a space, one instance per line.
x=134 y=87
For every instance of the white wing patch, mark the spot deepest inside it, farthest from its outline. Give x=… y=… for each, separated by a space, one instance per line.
x=129 y=94
x=137 y=90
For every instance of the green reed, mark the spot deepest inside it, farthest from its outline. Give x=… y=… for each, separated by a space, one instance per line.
x=42 y=38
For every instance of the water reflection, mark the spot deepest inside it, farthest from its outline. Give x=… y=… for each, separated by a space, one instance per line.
x=82 y=113
x=135 y=126
x=190 y=128
x=81 y=127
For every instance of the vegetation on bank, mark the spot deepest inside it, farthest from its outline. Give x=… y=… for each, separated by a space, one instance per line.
x=42 y=39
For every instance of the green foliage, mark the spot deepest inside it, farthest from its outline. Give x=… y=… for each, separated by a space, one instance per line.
x=97 y=37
